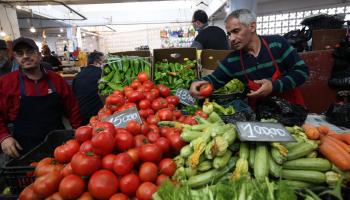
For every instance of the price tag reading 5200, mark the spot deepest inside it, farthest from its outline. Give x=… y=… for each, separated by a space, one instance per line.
x=120 y=119
x=262 y=131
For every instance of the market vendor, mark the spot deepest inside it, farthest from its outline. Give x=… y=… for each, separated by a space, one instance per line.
x=268 y=65
x=34 y=100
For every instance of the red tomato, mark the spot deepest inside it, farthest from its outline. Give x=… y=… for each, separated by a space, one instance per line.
x=164 y=91
x=177 y=113
x=133 y=127
x=135 y=84
x=118 y=92
x=85 y=164
x=134 y=154
x=129 y=184
x=144 y=104
x=103 y=184
x=149 y=96
x=119 y=196
x=71 y=187
x=142 y=77
x=145 y=128
x=93 y=121
x=148 y=172
x=150 y=111
x=167 y=166
x=165 y=115
x=47 y=184
x=174 y=100
x=136 y=96
x=153 y=128
x=55 y=196
x=161 y=178
x=140 y=140
x=67 y=170
x=47 y=165
x=164 y=144
x=28 y=194
x=206 y=90
x=164 y=130
x=171 y=107
x=149 y=84
x=152 y=119
x=154 y=93
x=103 y=143
x=116 y=100
x=153 y=136
x=143 y=113
x=86 y=196
x=126 y=106
x=201 y=114
x=83 y=133
x=123 y=164
x=150 y=153
x=176 y=142
x=141 y=89
x=86 y=147
x=64 y=153
x=145 y=191
x=123 y=140
x=104 y=126
x=159 y=103
x=108 y=162
x=182 y=119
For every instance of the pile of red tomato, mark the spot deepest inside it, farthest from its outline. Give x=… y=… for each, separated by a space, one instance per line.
x=104 y=162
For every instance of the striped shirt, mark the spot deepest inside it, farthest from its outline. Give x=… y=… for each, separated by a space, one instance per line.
x=294 y=72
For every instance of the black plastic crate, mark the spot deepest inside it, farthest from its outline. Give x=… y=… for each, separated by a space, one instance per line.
x=17 y=173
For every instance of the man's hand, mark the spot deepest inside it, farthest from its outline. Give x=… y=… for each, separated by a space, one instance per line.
x=264 y=90
x=194 y=89
x=9 y=146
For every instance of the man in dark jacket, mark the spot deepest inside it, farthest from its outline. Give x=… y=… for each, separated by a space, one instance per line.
x=209 y=37
x=5 y=61
x=85 y=87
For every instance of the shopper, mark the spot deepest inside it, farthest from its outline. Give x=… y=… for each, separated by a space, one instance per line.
x=85 y=86
x=268 y=65
x=34 y=100
x=49 y=58
x=209 y=37
x=5 y=60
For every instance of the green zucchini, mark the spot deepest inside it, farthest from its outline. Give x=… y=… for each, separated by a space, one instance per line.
x=301 y=150
x=298 y=184
x=205 y=166
x=274 y=168
x=211 y=176
x=221 y=161
x=277 y=156
x=186 y=151
x=315 y=164
x=261 y=162
x=251 y=155
x=304 y=175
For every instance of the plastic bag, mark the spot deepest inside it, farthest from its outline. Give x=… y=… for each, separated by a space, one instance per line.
x=281 y=110
x=339 y=114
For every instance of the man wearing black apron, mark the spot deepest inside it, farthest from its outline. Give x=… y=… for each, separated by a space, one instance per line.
x=34 y=100
x=268 y=65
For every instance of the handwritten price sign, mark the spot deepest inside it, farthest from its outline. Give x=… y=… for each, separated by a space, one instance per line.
x=120 y=119
x=185 y=97
x=263 y=132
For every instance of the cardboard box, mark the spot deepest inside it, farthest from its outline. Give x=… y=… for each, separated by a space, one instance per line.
x=327 y=38
x=133 y=53
x=173 y=55
x=210 y=58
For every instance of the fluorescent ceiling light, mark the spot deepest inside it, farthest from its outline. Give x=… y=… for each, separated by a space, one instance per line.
x=32 y=29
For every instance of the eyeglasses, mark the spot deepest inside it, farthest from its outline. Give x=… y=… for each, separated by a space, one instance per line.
x=28 y=52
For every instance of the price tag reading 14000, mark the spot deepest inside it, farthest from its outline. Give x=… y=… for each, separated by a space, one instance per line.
x=262 y=131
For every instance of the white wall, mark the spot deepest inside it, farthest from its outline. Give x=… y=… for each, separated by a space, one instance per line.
x=290 y=5
x=220 y=23
x=9 y=23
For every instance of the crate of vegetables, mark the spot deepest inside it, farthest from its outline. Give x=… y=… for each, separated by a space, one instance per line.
x=19 y=173
x=175 y=68
x=229 y=92
x=121 y=69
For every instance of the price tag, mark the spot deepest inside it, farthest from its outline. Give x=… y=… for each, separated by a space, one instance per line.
x=263 y=132
x=120 y=119
x=185 y=97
